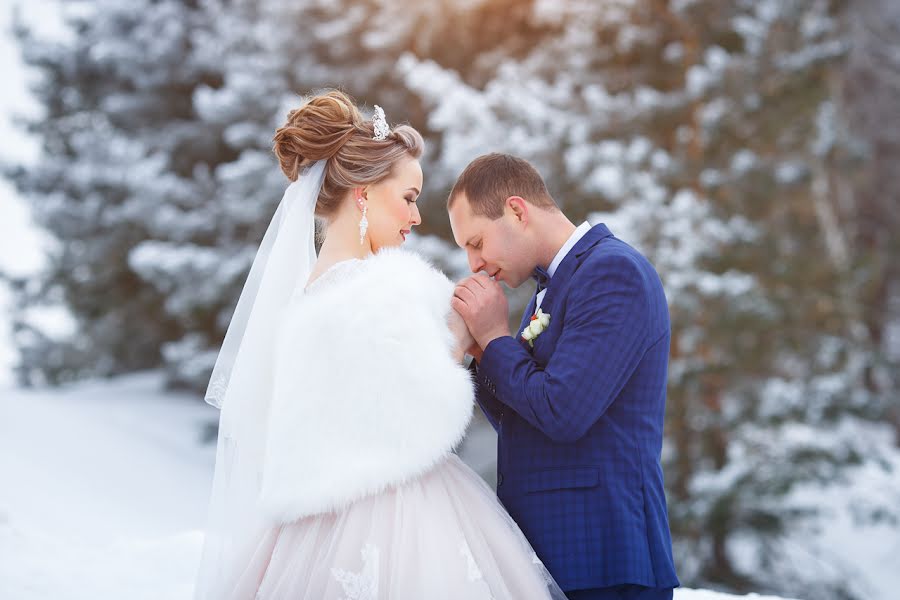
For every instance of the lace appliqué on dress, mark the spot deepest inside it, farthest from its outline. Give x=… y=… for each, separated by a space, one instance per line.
x=473 y=573
x=336 y=272
x=362 y=585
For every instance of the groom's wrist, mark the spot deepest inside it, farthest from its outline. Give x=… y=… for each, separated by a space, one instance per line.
x=486 y=349
x=487 y=339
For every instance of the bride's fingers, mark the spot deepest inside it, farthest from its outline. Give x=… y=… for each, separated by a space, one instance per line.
x=481 y=279
x=482 y=284
x=465 y=294
x=474 y=281
x=461 y=308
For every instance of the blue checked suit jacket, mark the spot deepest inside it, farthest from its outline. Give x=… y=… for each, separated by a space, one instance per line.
x=579 y=420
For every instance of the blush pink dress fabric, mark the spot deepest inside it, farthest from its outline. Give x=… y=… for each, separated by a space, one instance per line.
x=443 y=535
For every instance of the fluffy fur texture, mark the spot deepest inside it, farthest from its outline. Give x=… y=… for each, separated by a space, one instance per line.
x=367 y=393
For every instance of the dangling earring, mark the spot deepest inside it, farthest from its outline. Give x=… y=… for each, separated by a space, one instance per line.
x=364 y=222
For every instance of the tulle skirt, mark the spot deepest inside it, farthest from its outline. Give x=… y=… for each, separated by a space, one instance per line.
x=443 y=535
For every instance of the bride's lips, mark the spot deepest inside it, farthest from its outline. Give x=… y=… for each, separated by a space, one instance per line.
x=404 y=233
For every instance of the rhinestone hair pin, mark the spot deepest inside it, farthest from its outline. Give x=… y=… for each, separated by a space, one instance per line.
x=380 y=122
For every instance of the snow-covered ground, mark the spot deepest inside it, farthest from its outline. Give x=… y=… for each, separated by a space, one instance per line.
x=104 y=489
x=103 y=492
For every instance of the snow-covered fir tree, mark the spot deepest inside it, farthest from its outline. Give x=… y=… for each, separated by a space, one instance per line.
x=710 y=135
x=870 y=210
x=124 y=160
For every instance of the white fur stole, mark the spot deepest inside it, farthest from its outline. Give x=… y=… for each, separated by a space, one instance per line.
x=366 y=392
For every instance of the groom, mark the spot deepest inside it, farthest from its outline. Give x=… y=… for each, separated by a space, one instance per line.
x=579 y=407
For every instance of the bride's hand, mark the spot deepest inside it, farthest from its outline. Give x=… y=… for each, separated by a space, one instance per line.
x=464 y=339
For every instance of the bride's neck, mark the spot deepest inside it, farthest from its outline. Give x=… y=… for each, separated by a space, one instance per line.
x=342 y=242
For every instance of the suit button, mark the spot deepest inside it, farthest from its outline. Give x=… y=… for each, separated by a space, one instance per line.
x=500 y=479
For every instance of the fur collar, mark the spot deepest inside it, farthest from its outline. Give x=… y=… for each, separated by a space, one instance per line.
x=367 y=394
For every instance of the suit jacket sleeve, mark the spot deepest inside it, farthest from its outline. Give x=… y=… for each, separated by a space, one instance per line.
x=490 y=406
x=604 y=336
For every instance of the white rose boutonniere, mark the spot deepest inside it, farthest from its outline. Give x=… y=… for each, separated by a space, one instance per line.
x=539 y=322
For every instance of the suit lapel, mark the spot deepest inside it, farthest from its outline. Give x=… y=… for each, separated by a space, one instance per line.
x=570 y=263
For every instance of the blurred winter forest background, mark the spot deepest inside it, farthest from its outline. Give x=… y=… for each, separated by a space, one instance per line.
x=750 y=148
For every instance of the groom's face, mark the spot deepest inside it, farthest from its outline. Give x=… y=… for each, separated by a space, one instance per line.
x=499 y=247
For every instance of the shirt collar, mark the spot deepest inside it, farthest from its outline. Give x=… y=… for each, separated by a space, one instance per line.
x=579 y=233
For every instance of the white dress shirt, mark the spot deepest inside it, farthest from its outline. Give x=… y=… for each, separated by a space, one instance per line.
x=570 y=243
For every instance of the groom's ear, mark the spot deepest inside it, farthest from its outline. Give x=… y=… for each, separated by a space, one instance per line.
x=519 y=208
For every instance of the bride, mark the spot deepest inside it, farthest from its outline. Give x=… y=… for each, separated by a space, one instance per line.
x=343 y=397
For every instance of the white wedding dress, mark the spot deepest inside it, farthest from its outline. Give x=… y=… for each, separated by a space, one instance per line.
x=361 y=496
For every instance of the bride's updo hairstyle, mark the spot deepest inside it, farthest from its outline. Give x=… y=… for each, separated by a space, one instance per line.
x=329 y=126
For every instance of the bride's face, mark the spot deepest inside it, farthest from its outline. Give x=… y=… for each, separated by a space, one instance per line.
x=392 y=206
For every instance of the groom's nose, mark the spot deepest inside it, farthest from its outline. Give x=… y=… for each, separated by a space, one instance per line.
x=475 y=262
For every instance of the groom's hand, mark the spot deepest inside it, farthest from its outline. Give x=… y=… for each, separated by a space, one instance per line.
x=481 y=303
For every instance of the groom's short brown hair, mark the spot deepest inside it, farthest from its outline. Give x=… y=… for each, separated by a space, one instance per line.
x=490 y=179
